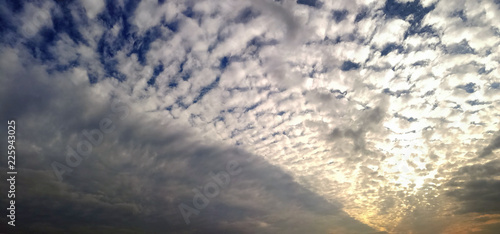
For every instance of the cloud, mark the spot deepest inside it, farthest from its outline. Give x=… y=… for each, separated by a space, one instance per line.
x=135 y=180
x=475 y=187
x=92 y=7
x=374 y=111
x=488 y=150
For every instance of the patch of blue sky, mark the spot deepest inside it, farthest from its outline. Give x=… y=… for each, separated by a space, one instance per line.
x=361 y=15
x=206 y=89
x=108 y=46
x=339 y=15
x=348 y=65
x=391 y=47
x=141 y=45
x=495 y=85
x=477 y=102
x=156 y=72
x=247 y=109
x=311 y=3
x=469 y=88
x=394 y=9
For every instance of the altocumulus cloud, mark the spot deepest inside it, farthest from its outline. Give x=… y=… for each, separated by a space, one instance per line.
x=344 y=116
x=134 y=181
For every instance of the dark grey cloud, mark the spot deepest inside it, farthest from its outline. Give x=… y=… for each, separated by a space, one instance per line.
x=479 y=196
x=246 y=15
x=488 y=150
x=476 y=188
x=489 y=169
x=460 y=48
x=134 y=181
x=367 y=122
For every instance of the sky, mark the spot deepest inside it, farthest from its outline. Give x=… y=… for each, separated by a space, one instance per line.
x=252 y=116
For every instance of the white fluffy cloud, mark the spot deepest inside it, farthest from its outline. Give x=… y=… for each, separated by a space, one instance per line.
x=93 y=7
